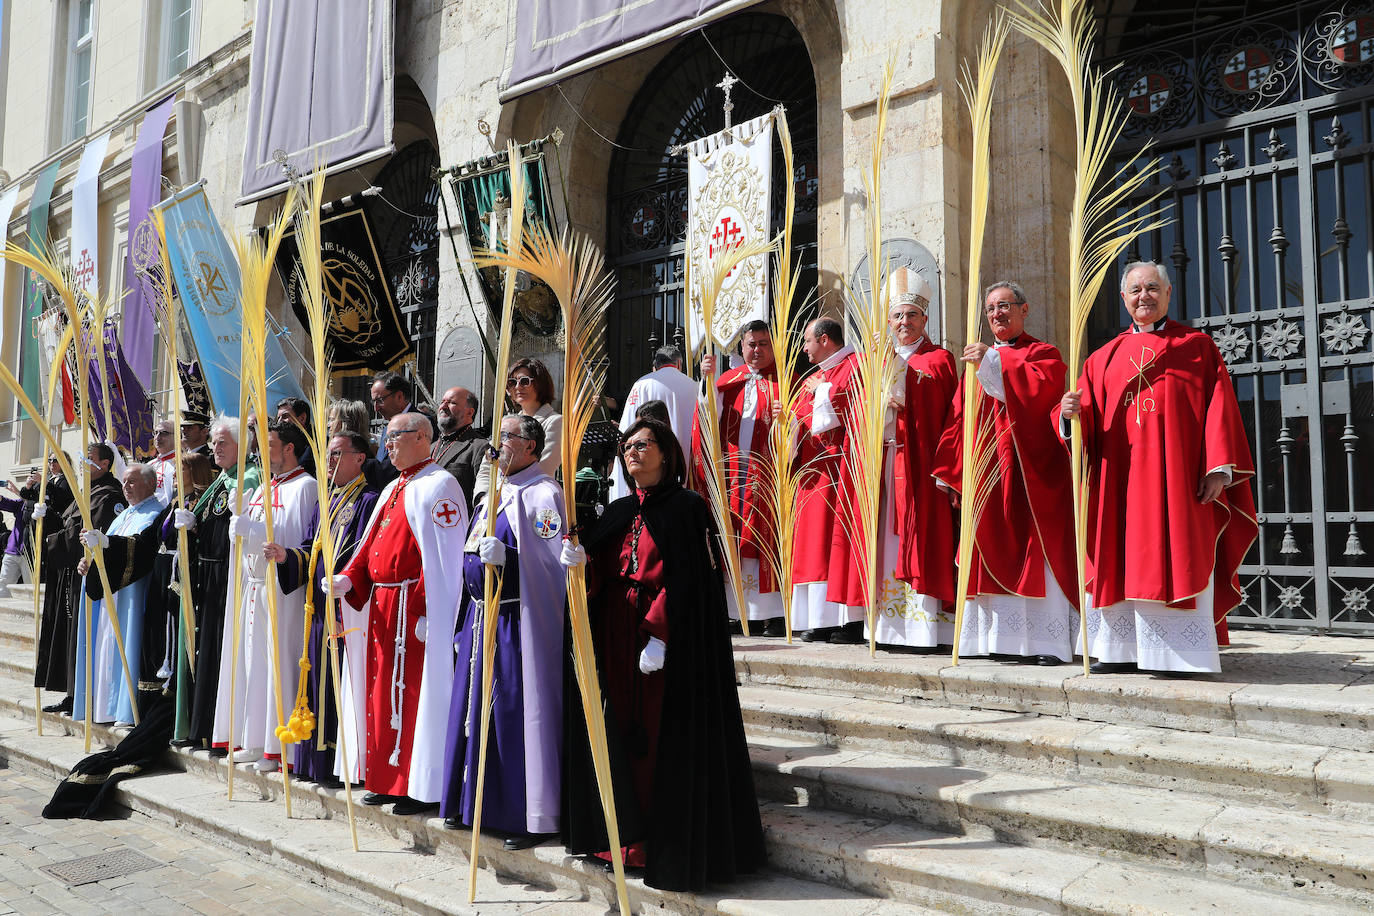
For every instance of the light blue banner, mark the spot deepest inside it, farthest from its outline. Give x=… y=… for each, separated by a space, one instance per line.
x=207 y=277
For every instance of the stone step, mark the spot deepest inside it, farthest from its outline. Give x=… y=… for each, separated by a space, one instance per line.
x=430 y=865
x=1295 y=777
x=1315 y=690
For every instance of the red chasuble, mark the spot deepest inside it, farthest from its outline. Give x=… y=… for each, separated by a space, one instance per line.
x=1027 y=521
x=820 y=458
x=924 y=519
x=1159 y=413
x=748 y=470
x=390 y=557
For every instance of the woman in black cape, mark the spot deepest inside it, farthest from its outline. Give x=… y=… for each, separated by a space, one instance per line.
x=685 y=801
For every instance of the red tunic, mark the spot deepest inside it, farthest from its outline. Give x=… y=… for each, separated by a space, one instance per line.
x=633 y=608
x=1159 y=413
x=390 y=556
x=747 y=471
x=925 y=521
x=1027 y=521
x=820 y=457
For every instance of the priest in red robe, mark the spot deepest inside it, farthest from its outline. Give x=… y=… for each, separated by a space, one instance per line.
x=916 y=525
x=1023 y=582
x=408 y=575
x=745 y=396
x=1170 y=511
x=823 y=411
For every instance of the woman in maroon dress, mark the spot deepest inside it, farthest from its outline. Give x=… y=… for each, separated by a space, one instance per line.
x=684 y=788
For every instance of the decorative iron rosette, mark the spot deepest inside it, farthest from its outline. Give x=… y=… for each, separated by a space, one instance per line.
x=1338 y=49
x=1158 y=90
x=1252 y=67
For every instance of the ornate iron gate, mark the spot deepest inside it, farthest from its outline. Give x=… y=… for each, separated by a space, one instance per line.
x=1265 y=128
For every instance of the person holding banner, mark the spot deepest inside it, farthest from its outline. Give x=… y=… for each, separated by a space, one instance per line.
x=823 y=412
x=745 y=396
x=408 y=574
x=685 y=801
x=524 y=761
x=1170 y=511
x=1023 y=583
x=253 y=731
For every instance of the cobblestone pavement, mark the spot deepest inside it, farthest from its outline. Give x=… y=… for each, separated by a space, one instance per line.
x=194 y=877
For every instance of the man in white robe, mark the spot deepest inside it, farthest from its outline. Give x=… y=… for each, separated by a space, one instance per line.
x=669 y=384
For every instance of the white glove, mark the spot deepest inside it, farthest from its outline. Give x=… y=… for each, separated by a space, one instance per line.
x=93 y=538
x=651 y=659
x=342 y=584
x=183 y=518
x=492 y=551
x=572 y=554
x=253 y=532
x=39 y=511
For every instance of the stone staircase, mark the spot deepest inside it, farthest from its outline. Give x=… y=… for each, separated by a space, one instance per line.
x=903 y=784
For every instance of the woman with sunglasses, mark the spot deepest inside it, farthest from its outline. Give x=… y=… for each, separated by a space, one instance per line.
x=530 y=387
x=659 y=624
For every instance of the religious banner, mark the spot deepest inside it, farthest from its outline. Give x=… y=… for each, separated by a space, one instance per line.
x=85 y=250
x=130 y=408
x=30 y=363
x=319 y=89
x=553 y=41
x=50 y=326
x=207 y=276
x=729 y=192
x=365 y=331
x=145 y=189
x=7 y=202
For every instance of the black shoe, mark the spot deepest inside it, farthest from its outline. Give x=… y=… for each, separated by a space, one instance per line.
x=851 y=634
x=374 y=799
x=1111 y=667
x=453 y=823
x=184 y=742
x=330 y=782
x=219 y=753
x=735 y=628
x=1045 y=661
x=61 y=706
x=775 y=627
x=819 y=634
x=525 y=840
x=408 y=806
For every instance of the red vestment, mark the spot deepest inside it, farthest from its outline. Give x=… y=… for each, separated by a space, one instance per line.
x=820 y=456
x=1028 y=518
x=747 y=470
x=925 y=521
x=1159 y=413
x=388 y=566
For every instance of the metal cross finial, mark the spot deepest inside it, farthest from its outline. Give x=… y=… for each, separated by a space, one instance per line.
x=727 y=86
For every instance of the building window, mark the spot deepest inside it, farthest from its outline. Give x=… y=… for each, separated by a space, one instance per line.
x=174 y=38
x=80 y=45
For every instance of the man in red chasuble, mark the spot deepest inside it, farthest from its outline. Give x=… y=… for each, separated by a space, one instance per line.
x=1023 y=580
x=745 y=396
x=1170 y=511
x=408 y=574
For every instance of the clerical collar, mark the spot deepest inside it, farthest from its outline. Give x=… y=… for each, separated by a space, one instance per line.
x=289 y=475
x=833 y=360
x=1146 y=328
x=1006 y=343
x=415 y=468
x=905 y=350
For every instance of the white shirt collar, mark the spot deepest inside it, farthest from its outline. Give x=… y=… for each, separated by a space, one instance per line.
x=834 y=359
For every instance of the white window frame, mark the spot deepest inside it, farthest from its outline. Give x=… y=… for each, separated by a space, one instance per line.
x=78 y=44
x=165 y=17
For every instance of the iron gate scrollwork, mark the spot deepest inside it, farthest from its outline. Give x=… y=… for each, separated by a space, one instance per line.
x=1265 y=130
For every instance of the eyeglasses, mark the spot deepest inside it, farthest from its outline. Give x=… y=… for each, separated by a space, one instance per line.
x=1003 y=306
x=506 y=437
x=335 y=455
x=639 y=445
x=520 y=381
x=393 y=436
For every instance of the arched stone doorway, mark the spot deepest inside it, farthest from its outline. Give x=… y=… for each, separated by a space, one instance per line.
x=647 y=188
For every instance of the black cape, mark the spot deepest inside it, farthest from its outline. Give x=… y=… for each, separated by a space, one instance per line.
x=704 y=824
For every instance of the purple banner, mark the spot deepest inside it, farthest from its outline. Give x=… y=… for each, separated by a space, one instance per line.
x=131 y=411
x=557 y=40
x=145 y=189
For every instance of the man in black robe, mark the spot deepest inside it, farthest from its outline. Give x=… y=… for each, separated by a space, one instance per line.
x=62 y=606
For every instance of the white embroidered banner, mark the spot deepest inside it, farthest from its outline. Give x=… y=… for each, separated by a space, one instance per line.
x=85 y=217
x=729 y=189
x=7 y=202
